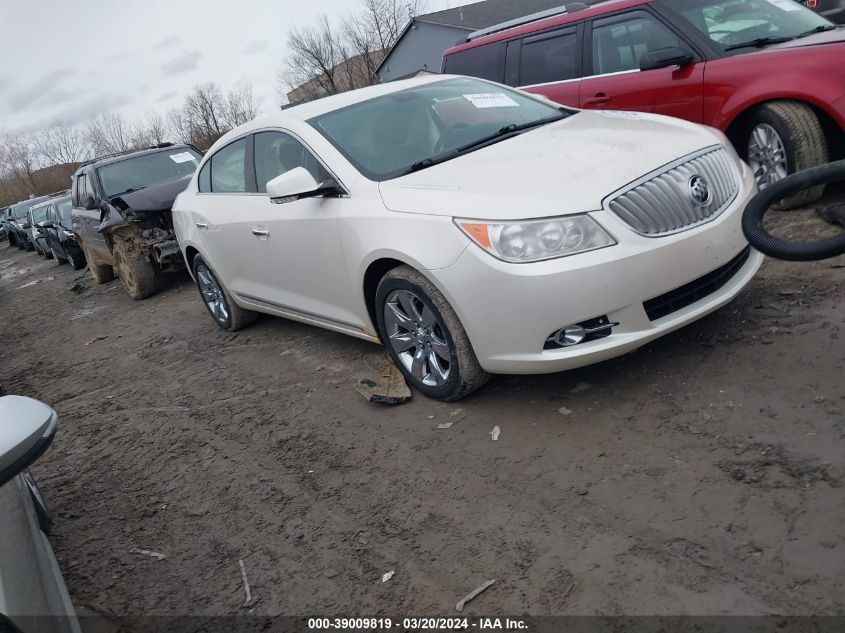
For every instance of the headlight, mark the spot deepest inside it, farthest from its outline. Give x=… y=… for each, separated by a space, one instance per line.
x=536 y=240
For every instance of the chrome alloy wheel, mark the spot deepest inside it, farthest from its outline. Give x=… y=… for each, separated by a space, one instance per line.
x=767 y=155
x=212 y=294
x=418 y=338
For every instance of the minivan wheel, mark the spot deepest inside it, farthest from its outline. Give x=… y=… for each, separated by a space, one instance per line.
x=75 y=260
x=424 y=336
x=101 y=273
x=219 y=303
x=136 y=272
x=785 y=137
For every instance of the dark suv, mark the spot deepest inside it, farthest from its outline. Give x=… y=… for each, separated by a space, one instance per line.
x=122 y=214
x=17 y=225
x=833 y=10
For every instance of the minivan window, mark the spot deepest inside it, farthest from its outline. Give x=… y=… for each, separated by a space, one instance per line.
x=486 y=62
x=227 y=168
x=277 y=153
x=549 y=58
x=64 y=208
x=147 y=170
x=619 y=45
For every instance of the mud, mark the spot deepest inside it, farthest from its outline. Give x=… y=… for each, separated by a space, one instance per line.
x=702 y=474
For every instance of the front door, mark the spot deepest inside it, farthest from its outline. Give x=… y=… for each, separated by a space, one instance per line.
x=616 y=45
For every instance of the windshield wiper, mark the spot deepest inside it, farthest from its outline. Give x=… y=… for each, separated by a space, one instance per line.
x=131 y=190
x=760 y=42
x=819 y=29
x=501 y=134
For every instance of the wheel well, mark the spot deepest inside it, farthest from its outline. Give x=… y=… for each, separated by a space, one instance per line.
x=375 y=272
x=832 y=132
x=190 y=253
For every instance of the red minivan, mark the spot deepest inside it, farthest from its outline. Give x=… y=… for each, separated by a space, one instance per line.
x=769 y=73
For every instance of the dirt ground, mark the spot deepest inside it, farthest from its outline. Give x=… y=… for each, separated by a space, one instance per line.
x=700 y=475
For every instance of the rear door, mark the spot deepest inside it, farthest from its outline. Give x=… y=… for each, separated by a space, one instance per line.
x=548 y=63
x=613 y=49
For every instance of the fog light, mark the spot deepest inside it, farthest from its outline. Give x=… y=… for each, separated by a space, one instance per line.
x=572 y=335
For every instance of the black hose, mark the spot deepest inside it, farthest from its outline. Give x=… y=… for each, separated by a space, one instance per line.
x=752 y=219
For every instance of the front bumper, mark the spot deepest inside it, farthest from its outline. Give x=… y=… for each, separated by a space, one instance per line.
x=508 y=310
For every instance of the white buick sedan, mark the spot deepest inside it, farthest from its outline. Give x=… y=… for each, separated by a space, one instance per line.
x=471 y=228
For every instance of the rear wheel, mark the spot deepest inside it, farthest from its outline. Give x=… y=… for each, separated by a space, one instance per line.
x=48 y=253
x=101 y=273
x=219 y=303
x=57 y=257
x=137 y=273
x=424 y=336
x=76 y=260
x=782 y=138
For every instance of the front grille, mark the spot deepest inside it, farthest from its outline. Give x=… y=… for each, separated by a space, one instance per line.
x=684 y=296
x=661 y=203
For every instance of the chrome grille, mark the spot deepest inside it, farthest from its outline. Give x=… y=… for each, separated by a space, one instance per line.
x=661 y=203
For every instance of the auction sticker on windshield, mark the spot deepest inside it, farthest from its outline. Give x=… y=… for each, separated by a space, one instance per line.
x=786 y=5
x=184 y=157
x=491 y=100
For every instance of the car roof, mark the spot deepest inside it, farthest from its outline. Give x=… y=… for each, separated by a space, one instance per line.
x=116 y=158
x=550 y=22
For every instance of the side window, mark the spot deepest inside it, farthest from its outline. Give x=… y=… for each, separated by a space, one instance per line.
x=277 y=153
x=619 y=45
x=204 y=182
x=549 y=57
x=227 y=168
x=81 y=190
x=485 y=62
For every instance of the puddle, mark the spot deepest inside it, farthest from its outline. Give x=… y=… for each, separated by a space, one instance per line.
x=35 y=283
x=86 y=312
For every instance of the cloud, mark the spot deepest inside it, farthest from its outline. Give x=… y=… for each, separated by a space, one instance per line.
x=39 y=90
x=168 y=41
x=256 y=47
x=182 y=64
x=99 y=103
x=121 y=56
x=167 y=96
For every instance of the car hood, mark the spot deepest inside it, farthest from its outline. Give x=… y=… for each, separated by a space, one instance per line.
x=827 y=37
x=152 y=199
x=567 y=167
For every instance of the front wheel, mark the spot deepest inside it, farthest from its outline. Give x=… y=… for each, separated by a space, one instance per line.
x=136 y=272
x=785 y=137
x=217 y=300
x=76 y=260
x=424 y=336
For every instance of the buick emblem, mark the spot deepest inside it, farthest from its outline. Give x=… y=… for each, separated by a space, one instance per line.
x=699 y=191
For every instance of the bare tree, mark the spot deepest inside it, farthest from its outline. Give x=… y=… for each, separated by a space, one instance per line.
x=315 y=53
x=205 y=110
x=19 y=162
x=109 y=134
x=241 y=106
x=156 y=128
x=179 y=126
x=61 y=143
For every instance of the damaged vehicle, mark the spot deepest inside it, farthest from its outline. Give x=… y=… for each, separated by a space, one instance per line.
x=121 y=215
x=18 y=225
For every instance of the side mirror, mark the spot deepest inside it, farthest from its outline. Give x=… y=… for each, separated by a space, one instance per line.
x=89 y=203
x=26 y=225
x=47 y=225
x=664 y=58
x=298 y=183
x=27 y=427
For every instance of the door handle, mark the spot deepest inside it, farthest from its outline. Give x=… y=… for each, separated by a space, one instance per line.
x=599 y=99
x=202 y=225
x=261 y=232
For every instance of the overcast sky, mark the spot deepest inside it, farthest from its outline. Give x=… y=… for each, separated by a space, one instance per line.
x=73 y=60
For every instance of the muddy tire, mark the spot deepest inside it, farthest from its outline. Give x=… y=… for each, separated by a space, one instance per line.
x=425 y=338
x=77 y=262
x=101 y=273
x=61 y=260
x=48 y=254
x=138 y=274
x=226 y=313
x=787 y=133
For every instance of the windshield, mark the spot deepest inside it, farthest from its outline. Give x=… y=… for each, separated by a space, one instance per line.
x=39 y=213
x=147 y=170
x=20 y=209
x=735 y=24
x=385 y=136
x=64 y=208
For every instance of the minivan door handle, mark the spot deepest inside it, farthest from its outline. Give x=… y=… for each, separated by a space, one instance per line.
x=261 y=232
x=202 y=225
x=599 y=99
